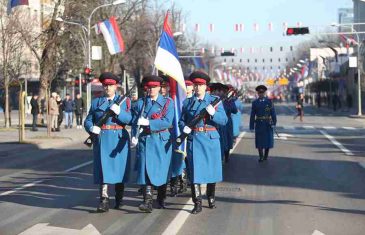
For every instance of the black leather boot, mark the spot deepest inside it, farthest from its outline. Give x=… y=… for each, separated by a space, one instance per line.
x=119 y=192
x=261 y=155
x=182 y=184
x=211 y=195
x=161 y=196
x=266 y=154
x=173 y=187
x=146 y=206
x=104 y=199
x=197 y=198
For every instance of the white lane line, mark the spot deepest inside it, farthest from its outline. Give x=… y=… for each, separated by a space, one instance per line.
x=177 y=223
x=329 y=127
x=289 y=127
x=349 y=128
x=40 y=181
x=338 y=144
x=308 y=127
x=316 y=232
x=362 y=164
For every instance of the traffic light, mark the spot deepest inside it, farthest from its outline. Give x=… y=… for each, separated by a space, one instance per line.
x=87 y=73
x=227 y=53
x=297 y=31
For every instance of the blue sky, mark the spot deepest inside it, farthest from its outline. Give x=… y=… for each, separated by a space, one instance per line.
x=225 y=13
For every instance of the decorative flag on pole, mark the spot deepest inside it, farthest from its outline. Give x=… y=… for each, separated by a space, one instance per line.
x=222 y=50
x=256 y=27
x=15 y=3
x=112 y=35
x=285 y=26
x=203 y=50
x=211 y=28
x=232 y=50
x=213 y=50
x=271 y=26
x=242 y=27
x=236 y=27
x=183 y=27
x=197 y=28
x=242 y=50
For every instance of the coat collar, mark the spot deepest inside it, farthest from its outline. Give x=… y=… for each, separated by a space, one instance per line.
x=160 y=100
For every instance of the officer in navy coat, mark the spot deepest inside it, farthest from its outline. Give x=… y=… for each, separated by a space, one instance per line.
x=111 y=147
x=263 y=120
x=154 y=142
x=203 y=149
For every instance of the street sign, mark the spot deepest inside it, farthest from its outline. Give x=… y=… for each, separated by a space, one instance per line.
x=353 y=61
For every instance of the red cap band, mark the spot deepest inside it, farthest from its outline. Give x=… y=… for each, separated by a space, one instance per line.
x=189 y=83
x=109 y=81
x=199 y=81
x=152 y=84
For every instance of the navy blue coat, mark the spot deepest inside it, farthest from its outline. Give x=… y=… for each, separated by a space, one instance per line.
x=203 y=149
x=154 y=146
x=111 y=149
x=262 y=118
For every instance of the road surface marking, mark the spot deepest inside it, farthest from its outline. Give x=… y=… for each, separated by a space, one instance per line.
x=329 y=127
x=316 y=232
x=349 y=128
x=362 y=164
x=338 y=144
x=308 y=127
x=43 y=229
x=40 y=181
x=289 y=127
x=177 y=223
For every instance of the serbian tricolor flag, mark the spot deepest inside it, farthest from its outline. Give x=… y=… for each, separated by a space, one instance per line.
x=112 y=35
x=167 y=61
x=15 y=3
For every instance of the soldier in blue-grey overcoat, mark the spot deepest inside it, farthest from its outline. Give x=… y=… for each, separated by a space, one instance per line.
x=203 y=145
x=111 y=147
x=263 y=121
x=237 y=117
x=154 y=142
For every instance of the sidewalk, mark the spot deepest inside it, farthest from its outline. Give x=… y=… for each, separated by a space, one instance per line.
x=9 y=138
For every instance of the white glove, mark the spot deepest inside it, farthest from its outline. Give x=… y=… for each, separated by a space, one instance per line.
x=187 y=130
x=95 y=129
x=134 y=142
x=210 y=109
x=115 y=108
x=143 y=122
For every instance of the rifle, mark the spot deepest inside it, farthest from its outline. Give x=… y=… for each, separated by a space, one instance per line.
x=200 y=116
x=139 y=130
x=90 y=140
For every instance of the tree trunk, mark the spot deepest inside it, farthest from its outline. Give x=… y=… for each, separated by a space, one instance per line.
x=6 y=106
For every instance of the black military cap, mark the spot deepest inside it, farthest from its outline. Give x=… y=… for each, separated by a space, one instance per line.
x=165 y=80
x=151 y=81
x=108 y=78
x=199 y=77
x=261 y=88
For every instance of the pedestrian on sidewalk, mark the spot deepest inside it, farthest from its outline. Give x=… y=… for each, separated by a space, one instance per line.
x=35 y=111
x=111 y=145
x=68 y=106
x=263 y=121
x=60 y=111
x=349 y=101
x=79 y=110
x=53 y=111
x=335 y=101
x=300 y=108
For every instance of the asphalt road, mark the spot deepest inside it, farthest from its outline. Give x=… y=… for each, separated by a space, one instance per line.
x=313 y=183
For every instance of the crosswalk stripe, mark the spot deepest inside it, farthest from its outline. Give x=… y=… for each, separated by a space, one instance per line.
x=329 y=127
x=289 y=127
x=349 y=128
x=308 y=127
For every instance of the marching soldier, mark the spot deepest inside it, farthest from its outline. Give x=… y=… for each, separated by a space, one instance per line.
x=263 y=120
x=154 y=143
x=189 y=87
x=203 y=145
x=237 y=117
x=111 y=144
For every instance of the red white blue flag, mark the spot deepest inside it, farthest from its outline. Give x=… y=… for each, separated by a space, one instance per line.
x=15 y=3
x=112 y=35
